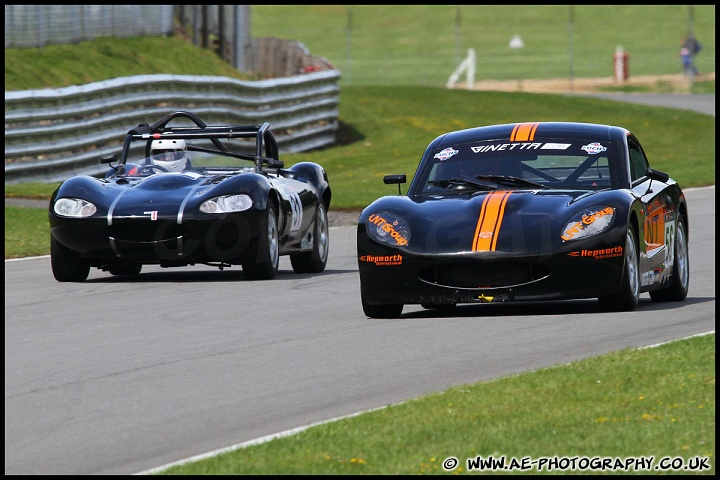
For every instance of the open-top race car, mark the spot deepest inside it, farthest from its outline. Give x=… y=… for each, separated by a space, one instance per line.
x=192 y=194
x=526 y=212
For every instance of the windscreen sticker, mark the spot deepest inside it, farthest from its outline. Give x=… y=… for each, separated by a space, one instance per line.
x=447 y=153
x=556 y=146
x=506 y=146
x=593 y=148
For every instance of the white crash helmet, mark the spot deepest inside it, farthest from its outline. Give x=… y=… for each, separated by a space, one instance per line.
x=170 y=154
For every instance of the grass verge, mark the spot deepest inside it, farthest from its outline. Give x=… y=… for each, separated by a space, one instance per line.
x=657 y=402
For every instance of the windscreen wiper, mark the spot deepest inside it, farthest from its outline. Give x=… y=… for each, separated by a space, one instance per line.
x=510 y=180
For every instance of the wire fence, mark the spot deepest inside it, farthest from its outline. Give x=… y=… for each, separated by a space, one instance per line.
x=28 y=26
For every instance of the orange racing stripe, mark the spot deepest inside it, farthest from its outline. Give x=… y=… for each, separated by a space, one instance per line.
x=523 y=132
x=491 y=217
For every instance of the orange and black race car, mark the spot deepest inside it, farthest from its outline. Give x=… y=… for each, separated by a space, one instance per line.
x=182 y=193
x=526 y=212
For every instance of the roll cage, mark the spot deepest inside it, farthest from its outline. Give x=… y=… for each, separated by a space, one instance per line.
x=265 y=151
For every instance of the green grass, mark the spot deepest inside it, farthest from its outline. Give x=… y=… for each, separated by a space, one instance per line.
x=27 y=232
x=657 y=402
x=423 y=44
x=406 y=45
x=108 y=57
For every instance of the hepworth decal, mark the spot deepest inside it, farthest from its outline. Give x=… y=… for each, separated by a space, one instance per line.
x=382 y=259
x=599 y=253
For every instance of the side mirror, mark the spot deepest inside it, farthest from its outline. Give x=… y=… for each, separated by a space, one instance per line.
x=109 y=158
x=399 y=178
x=657 y=175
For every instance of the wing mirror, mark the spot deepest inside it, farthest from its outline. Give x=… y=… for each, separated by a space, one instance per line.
x=399 y=178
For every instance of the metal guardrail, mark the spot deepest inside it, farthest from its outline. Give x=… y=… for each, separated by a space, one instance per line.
x=53 y=134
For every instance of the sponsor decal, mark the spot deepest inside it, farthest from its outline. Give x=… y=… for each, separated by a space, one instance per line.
x=524 y=132
x=555 y=146
x=153 y=214
x=489 y=221
x=446 y=153
x=506 y=146
x=591 y=219
x=651 y=277
x=593 y=148
x=657 y=272
x=382 y=259
x=656 y=230
x=599 y=253
x=391 y=232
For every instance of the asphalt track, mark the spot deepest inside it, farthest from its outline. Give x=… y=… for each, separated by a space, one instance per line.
x=119 y=376
x=702 y=103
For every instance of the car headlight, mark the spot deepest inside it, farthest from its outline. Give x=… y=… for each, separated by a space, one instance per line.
x=227 y=203
x=589 y=222
x=388 y=228
x=74 y=207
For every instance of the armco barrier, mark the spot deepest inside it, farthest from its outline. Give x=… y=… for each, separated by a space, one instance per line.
x=53 y=134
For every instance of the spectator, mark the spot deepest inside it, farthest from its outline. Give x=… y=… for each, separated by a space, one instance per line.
x=690 y=48
x=686 y=60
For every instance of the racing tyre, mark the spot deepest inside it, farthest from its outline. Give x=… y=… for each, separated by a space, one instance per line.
x=382 y=310
x=129 y=268
x=67 y=266
x=680 y=278
x=263 y=254
x=628 y=297
x=315 y=261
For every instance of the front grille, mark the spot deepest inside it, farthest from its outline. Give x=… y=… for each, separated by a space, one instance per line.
x=146 y=231
x=484 y=274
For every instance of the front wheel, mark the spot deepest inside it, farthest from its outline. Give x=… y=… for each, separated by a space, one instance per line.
x=680 y=278
x=391 y=310
x=628 y=297
x=315 y=260
x=67 y=266
x=262 y=257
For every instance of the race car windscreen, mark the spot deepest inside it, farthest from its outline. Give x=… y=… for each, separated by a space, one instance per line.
x=555 y=163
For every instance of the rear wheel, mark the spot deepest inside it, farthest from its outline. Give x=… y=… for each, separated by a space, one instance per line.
x=315 y=261
x=680 y=278
x=384 y=310
x=628 y=297
x=263 y=254
x=67 y=266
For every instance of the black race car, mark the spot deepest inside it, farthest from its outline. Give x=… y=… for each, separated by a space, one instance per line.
x=192 y=194
x=526 y=212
